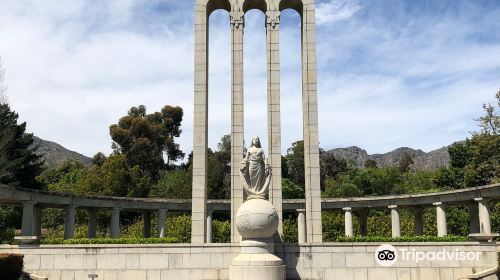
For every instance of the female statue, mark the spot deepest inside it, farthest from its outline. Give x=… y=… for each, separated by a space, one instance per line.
x=255 y=172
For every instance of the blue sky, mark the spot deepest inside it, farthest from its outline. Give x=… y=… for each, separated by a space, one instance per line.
x=390 y=73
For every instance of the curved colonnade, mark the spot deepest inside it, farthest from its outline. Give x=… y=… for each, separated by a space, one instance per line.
x=476 y=199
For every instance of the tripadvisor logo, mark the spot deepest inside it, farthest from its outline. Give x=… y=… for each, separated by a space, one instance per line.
x=387 y=255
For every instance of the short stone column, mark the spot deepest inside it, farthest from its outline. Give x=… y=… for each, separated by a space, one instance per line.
x=162 y=226
x=301 y=224
x=209 y=226
x=363 y=221
x=474 y=218
x=146 y=218
x=442 y=229
x=69 y=221
x=348 y=221
x=37 y=220
x=92 y=223
x=395 y=223
x=484 y=215
x=27 y=223
x=418 y=215
x=115 y=223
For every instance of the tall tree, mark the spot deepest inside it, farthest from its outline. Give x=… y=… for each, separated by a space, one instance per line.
x=405 y=162
x=19 y=163
x=330 y=166
x=490 y=122
x=219 y=170
x=295 y=163
x=146 y=139
x=3 y=86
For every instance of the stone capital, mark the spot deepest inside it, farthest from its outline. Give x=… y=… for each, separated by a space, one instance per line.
x=237 y=18
x=301 y=211
x=273 y=19
x=347 y=209
x=393 y=207
x=438 y=204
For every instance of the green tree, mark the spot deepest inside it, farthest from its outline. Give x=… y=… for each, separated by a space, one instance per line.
x=490 y=122
x=219 y=170
x=370 y=163
x=19 y=163
x=3 y=86
x=173 y=184
x=295 y=163
x=405 y=162
x=115 y=178
x=330 y=166
x=146 y=138
x=291 y=190
x=99 y=159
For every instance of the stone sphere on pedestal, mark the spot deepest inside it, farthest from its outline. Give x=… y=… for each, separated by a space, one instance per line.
x=257 y=219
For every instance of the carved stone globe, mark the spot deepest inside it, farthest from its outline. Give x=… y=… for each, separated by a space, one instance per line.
x=257 y=219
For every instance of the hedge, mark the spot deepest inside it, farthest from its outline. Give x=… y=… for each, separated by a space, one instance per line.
x=421 y=238
x=133 y=240
x=11 y=266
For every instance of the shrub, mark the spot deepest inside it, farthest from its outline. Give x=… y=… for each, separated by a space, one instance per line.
x=11 y=266
x=134 y=240
x=179 y=227
x=290 y=230
x=422 y=238
x=221 y=231
x=7 y=235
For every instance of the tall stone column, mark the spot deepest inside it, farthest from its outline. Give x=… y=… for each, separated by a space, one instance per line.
x=474 y=218
x=27 y=223
x=273 y=110
x=146 y=230
x=115 y=223
x=162 y=227
x=301 y=224
x=310 y=125
x=37 y=220
x=363 y=222
x=348 y=221
x=209 y=227
x=419 y=220
x=69 y=221
x=200 y=132
x=484 y=215
x=237 y=116
x=441 y=219
x=396 y=228
x=92 y=223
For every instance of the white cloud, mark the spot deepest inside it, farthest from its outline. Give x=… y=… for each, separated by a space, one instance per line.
x=75 y=67
x=336 y=10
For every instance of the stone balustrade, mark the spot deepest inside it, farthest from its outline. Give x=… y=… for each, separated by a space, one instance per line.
x=32 y=201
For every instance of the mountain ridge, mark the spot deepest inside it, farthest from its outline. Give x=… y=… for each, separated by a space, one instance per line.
x=55 y=154
x=422 y=160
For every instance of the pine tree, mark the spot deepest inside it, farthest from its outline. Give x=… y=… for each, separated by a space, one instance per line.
x=19 y=164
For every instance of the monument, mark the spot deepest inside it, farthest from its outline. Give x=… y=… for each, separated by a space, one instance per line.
x=257 y=221
x=236 y=10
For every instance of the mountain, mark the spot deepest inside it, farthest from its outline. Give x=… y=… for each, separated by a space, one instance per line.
x=422 y=160
x=55 y=154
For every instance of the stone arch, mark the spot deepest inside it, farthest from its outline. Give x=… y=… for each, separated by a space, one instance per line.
x=213 y=5
x=261 y=5
x=296 y=5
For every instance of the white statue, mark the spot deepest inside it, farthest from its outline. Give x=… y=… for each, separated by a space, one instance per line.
x=255 y=171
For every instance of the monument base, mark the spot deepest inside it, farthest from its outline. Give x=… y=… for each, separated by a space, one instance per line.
x=256 y=262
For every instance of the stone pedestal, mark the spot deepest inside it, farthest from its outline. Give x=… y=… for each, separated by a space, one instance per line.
x=257 y=222
x=256 y=261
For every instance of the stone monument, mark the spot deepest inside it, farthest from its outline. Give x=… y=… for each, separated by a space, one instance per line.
x=257 y=221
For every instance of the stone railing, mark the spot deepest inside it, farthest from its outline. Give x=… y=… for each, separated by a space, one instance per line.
x=33 y=201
